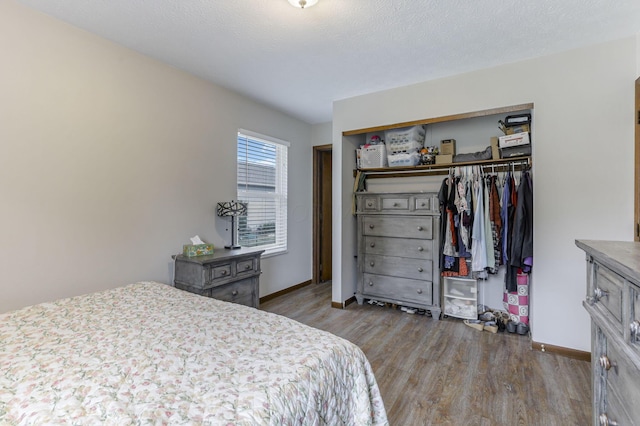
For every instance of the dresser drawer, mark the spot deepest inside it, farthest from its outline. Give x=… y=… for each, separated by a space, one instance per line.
x=395 y=203
x=245 y=267
x=220 y=272
x=423 y=203
x=234 y=292
x=615 y=412
x=398 y=290
x=369 y=204
x=622 y=378
x=398 y=266
x=607 y=291
x=403 y=247
x=420 y=227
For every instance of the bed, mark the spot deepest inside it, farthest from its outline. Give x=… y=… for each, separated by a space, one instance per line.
x=148 y=353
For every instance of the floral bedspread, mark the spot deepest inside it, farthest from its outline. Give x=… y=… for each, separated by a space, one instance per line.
x=148 y=353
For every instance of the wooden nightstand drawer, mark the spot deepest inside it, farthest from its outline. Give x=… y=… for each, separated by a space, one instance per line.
x=220 y=272
x=233 y=292
x=244 y=267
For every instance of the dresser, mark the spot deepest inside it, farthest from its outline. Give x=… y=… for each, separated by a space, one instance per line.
x=398 y=243
x=229 y=275
x=613 y=302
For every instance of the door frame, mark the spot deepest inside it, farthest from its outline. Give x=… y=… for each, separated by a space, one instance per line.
x=317 y=167
x=636 y=118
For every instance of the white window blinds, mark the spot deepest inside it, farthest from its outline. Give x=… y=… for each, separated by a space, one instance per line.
x=262 y=184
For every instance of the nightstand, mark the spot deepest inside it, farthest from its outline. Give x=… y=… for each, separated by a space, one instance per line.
x=229 y=275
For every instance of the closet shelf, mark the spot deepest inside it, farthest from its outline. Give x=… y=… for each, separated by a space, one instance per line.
x=518 y=163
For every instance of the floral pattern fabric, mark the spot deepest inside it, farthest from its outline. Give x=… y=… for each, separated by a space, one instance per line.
x=148 y=353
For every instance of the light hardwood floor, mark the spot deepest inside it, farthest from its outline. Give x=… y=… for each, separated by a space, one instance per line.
x=445 y=373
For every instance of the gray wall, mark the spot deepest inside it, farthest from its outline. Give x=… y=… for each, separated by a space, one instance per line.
x=110 y=161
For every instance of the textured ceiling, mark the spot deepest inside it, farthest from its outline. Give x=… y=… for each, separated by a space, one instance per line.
x=301 y=60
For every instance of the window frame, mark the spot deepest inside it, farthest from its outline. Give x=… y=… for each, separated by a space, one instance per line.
x=280 y=195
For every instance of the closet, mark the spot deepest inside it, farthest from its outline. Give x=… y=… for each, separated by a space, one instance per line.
x=486 y=270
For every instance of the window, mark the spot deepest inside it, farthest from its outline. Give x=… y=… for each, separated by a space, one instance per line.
x=262 y=184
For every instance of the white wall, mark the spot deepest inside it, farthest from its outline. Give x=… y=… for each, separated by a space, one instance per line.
x=110 y=161
x=582 y=154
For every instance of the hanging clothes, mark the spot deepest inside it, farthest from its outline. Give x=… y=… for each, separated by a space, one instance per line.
x=495 y=220
x=478 y=244
x=521 y=256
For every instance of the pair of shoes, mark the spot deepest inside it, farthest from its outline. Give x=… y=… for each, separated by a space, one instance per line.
x=491 y=327
x=421 y=311
x=372 y=301
x=511 y=327
x=477 y=324
x=502 y=325
x=522 y=329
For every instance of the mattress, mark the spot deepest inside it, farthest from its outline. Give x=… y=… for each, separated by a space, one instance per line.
x=150 y=353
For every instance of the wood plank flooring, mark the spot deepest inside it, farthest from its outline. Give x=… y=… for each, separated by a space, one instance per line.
x=445 y=373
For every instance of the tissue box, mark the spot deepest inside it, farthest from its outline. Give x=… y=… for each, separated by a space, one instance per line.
x=192 y=250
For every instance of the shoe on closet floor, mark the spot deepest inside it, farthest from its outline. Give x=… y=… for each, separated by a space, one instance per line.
x=511 y=327
x=491 y=327
x=522 y=328
x=477 y=324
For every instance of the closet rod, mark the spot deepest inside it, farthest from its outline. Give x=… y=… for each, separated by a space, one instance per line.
x=444 y=169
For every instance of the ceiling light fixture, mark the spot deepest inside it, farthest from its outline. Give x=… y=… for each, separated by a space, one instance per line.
x=303 y=3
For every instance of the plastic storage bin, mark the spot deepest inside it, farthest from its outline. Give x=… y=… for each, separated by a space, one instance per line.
x=373 y=157
x=460 y=297
x=404 y=159
x=405 y=139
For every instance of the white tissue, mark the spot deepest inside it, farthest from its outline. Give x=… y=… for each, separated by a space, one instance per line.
x=196 y=240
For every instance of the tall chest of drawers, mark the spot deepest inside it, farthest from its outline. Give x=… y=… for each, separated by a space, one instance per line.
x=398 y=242
x=613 y=302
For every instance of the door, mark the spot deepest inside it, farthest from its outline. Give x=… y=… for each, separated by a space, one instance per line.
x=322 y=164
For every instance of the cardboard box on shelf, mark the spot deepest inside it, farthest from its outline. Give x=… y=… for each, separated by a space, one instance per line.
x=495 y=149
x=516 y=139
x=444 y=159
x=448 y=147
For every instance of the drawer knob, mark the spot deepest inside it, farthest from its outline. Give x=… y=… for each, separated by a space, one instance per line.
x=420 y=249
x=372 y=245
x=605 y=363
x=369 y=204
x=599 y=293
x=395 y=204
x=247 y=267
x=419 y=228
x=635 y=330
x=420 y=269
x=224 y=272
x=371 y=263
x=423 y=204
x=370 y=283
x=234 y=293
x=419 y=291
x=371 y=226
x=606 y=421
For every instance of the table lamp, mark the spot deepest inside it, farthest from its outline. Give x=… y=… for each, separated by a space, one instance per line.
x=233 y=209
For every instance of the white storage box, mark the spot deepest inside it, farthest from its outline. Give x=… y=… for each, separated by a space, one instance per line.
x=516 y=139
x=402 y=147
x=373 y=157
x=404 y=159
x=405 y=134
